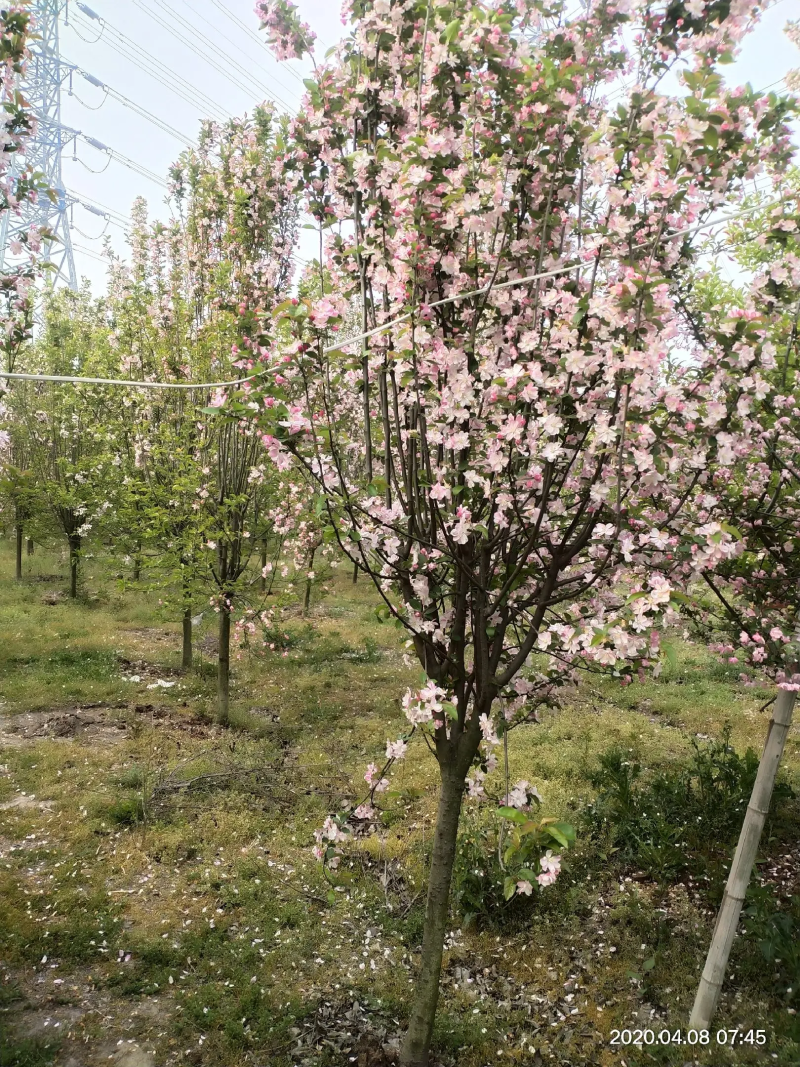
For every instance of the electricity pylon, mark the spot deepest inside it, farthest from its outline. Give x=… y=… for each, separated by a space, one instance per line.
x=41 y=86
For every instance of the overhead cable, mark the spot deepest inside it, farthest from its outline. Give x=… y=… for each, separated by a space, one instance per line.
x=242 y=71
x=127 y=102
x=565 y=269
x=253 y=35
x=203 y=52
x=176 y=84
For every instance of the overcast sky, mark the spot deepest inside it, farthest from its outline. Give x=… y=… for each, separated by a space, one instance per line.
x=185 y=60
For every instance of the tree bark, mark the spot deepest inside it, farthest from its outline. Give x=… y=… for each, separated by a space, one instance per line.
x=310 y=567
x=19 y=554
x=74 y=557
x=355 y=574
x=224 y=662
x=713 y=975
x=264 y=565
x=186 y=651
x=416 y=1046
x=30 y=546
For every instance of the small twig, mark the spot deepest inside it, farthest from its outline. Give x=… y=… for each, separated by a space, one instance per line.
x=173 y=786
x=303 y=892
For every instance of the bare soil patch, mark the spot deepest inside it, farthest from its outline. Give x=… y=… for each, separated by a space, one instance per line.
x=89 y=724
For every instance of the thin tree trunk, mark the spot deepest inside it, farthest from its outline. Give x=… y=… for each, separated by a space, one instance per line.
x=74 y=557
x=186 y=651
x=264 y=565
x=307 y=601
x=416 y=1045
x=224 y=662
x=355 y=573
x=30 y=546
x=137 y=564
x=713 y=975
x=19 y=553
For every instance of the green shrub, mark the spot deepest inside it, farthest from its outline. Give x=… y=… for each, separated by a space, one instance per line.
x=680 y=819
x=479 y=878
x=27 y=1052
x=775 y=931
x=127 y=811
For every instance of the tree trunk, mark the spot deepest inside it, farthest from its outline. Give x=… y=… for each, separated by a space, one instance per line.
x=74 y=555
x=137 y=564
x=307 y=601
x=19 y=553
x=29 y=546
x=355 y=573
x=224 y=662
x=186 y=651
x=711 y=980
x=417 y=1041
x=264 y=566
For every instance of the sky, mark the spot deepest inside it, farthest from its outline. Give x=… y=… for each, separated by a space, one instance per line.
x=185 y=60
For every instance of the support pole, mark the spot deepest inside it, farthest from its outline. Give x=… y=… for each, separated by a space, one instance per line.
x=710 y=986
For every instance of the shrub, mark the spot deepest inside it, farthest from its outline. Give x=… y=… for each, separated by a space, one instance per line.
x=775 y=931
x=679 y=819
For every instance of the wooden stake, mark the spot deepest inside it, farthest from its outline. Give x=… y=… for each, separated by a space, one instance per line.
x=713 y=975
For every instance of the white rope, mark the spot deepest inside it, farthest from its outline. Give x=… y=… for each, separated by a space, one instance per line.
x=129 y=382
x=386 y=325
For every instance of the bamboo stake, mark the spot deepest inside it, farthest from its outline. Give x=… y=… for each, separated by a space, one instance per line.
x=713 y=975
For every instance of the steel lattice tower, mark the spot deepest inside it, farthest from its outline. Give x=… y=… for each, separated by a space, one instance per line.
x=42 y=88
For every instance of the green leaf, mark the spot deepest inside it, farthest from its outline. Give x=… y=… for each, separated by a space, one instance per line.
x=556 y=831
x=509 y=888
x=681 y=598
x=734 y=531
x=513 y=814
x=568 y=830
x=451 y=30
x=711 y=137
x=527 y=874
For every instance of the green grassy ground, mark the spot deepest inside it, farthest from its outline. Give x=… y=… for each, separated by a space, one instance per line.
x=159 y=898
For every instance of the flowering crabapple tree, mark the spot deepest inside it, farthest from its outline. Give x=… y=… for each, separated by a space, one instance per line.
x=750 y=611
x=19 y=497
x=67 y=436
x=184 y=310
x=511 y=193
x=163 y=331
x=238 y=223
x=18 y=183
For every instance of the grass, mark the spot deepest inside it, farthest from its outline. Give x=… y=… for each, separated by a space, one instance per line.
x=147 y=882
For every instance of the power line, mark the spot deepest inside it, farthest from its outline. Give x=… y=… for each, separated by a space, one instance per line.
x=168 y=7
x=126 y=161
x=203 y=54
x=252 y=34
x=140 y=58
x=112 y=153
x=89 y=252
x=127 y=102
x=96 y=207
